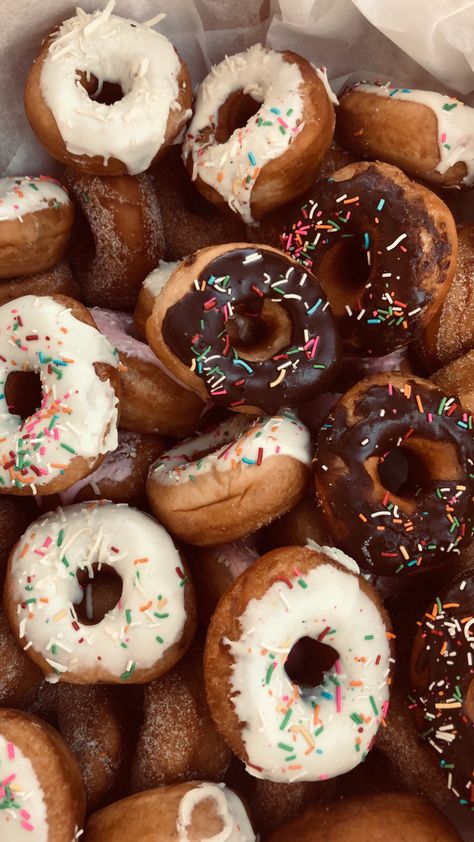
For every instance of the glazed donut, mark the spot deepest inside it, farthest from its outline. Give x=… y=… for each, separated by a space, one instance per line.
x=442 y=683
x=141 y=637
x=76 y=423
x=262 y=123
x=187 y=812
x=458 y=378
x=62 y=94
x=117 y=239
x=42 y=794
x=415 y=509
x=215 y=568
x=56 y=281
x=383 y=249
x=36 y=217
x=247 y=327
x=269 y=627
x=425 y=133
x=266 y=463
x=152 y=400
x=150 y=289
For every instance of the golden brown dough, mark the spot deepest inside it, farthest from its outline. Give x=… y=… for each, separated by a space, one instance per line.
x=56 y=281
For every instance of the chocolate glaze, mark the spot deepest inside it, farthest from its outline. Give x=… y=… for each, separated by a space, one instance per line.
x=442 y=669
x=195 y=329
x=443 y=516
x=392 y=306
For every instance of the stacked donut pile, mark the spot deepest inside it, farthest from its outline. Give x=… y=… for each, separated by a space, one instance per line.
x=236 y=453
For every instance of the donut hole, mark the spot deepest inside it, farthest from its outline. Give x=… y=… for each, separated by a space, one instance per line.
x=343 y=273
x=234 y=114
x=23 y=393
x=308 y=661
x=100 y=593
x=101 y=90
x=416 y=463
x=259 y=329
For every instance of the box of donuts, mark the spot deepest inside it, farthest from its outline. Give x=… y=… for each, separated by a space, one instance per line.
x=236 y=421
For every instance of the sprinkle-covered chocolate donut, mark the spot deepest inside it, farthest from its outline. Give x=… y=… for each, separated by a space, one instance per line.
x=394 y=470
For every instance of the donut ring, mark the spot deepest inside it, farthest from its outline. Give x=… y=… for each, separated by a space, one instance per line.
x=87 y=134
x=154 y=617
x=117 y=239
x=289 y=123
x=288 y=595
x=150 y=289
x=387 y=284
x=424 y=133
x=36 y=217
x=55 y=337
x=429 y=514
x=256 y=471
x=56 y=281
x=204 y=319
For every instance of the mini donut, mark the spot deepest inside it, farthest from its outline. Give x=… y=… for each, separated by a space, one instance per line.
x=226 y=483
x=262 y=123
x=415 y=510
x=117 y=239
x=63 y=94
x=41 y=793
x=36 y=217
x=458 y=378
x=442 y=684
x=247 y=327
x=424 y=133
x=384 y=250
x=377 y=816
x=288 y=729
x=152 y=400
x=186 y=812
x=76 y=422
x=146 y=632
x=214 y=569
x=149 y=291
x=56 y=281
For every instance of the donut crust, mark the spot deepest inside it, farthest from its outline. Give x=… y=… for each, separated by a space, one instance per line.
x=36 y=242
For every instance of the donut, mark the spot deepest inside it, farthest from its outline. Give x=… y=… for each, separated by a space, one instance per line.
x=393 y=474
x=226 y=483
x=290 y=706
x=442 y=684
x=458 y=377
x=117 y=238
x=152 y=399
x=145 y=632
x=247 y=327
x=424 y=133
x=67 y=107
x=302 y=523
x=149 y=291
x=56 y=281
x=377 y=816
x=187 y=812
x=215 y=568
x=41 y=794
x=383 y=249
x=75 y=425
x=36 y=217
x=262 y=123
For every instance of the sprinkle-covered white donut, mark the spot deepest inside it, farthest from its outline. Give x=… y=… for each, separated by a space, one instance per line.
x=21 y=195
x=23 y=813
x=140 y=637
x=228 y=807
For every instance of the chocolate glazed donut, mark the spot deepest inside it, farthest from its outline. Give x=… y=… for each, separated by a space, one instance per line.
x=386 y=424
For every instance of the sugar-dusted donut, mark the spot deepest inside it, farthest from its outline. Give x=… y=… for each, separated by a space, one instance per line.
x=226 y=483
x=36 y=217
x=41 y=793
x=152 y=400
x=262 y=123
x=382 y=247
x=117 y=238
x=141 y=637
x=394 y=474
x=64 y=86
x=215 y=568
x=150 y=289
x=247 y=327
x=297 y=665
x=54 y=446
x=425 y=133
x=458 y=378
x=56 y=281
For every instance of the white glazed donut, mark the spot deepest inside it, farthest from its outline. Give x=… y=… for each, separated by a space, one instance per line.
x=228 y=807
x=151 y=288
x=21 y=195
x=141 y=637
x=127 y=135
x=77 y=420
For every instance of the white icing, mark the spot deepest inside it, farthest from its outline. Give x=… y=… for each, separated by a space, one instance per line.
x=114 y=49
x=336 y=554
x=117 y=466
x=22 y=806
x=455 y=124
x=21 y=195
x=150 y=614
x=270 y=80
x=156 y=280
x=286 y=736
x=227 y=806
x=233 y=442
x=78 y=414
